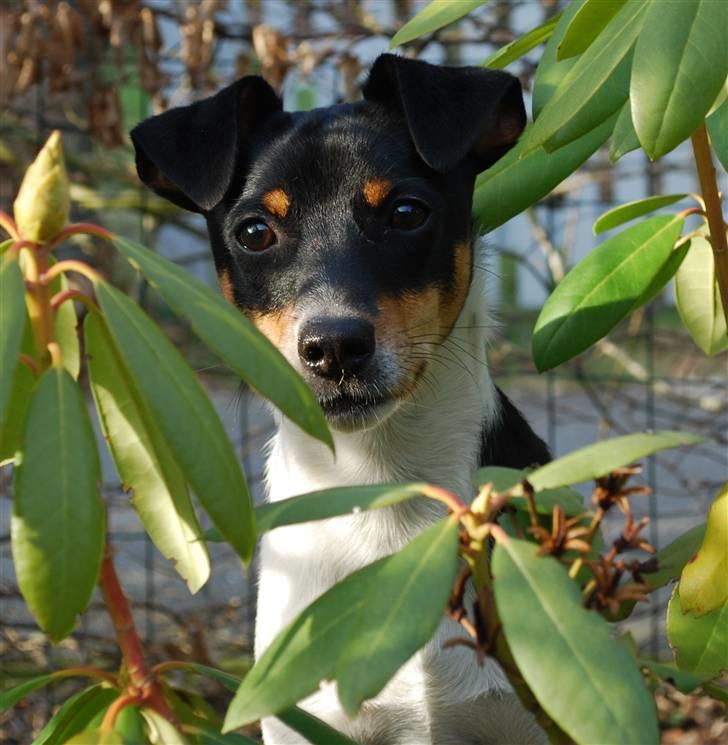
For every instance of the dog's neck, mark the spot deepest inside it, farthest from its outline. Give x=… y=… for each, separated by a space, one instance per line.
x=435 y=436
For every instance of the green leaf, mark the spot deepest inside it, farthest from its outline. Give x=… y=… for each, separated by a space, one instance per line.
x=595 y=461
x=11 y=696
x=185 y=416
x=358 y=633
x=632 y=210
x=624 y=138
x=130 y=725
x=11 y=430
x=700 y=643
x=704 y=581
x=97 y=736
x=320 y=505
x=66 y=334
x=680 y=65
x=523 y=45
x=160 y=731
x=671 y=560
x=225 y=679
x=12 y=324
x=76 y=713
x=600 y=696
x=667 y=271
x=143 y=458
x=602 y=289
x=312 y=728
x=515 y=183
x=58 y=520
x=683 y=681
x=594 y=88
x=588 y=22
x=233 y=337
x=5 y=245
x=208 y=736
x=436 y=15
x=717 y=124
x=698 y=298
x=504 y=479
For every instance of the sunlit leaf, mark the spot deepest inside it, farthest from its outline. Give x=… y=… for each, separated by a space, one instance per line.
x=698 y=298
x=680 y=65
x=601 y=290
x=632 y=210
x=666 y=272
x=601 y=696
x=700 y=643
x=185 y=416
x=233 y=337
x=704 y=581
x=523 y=45
x=143 y=459
x=358 y=633
x=160 y=731
x=599 y=459
x=436 y=15
x=12 y=324
x=58 y=520
x=64 y=328
x=11 y=430
x=594 y=88
x=320 y=505
x=588 y=22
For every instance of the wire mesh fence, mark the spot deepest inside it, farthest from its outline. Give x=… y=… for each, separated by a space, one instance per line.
x=647 y=375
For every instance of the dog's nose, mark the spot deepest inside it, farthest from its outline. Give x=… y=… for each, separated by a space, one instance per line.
x=332 y=347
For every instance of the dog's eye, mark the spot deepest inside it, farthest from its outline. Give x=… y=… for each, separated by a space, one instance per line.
x=256 y=235
x=408 y=215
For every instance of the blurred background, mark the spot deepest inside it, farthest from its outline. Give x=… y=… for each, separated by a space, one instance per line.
x=93 y=68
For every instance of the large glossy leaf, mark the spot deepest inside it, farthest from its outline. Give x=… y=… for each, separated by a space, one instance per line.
x=504 y=479
x=680 y=65
x=523 y=45
x=185 y=416
x=717 y=124
x=358 y=633
x=312 y=728
x=58 y=518
x=594 y=88
x=586 y=681
x=601 y=290
x=700 y=643
x=229 y=333
x=624 y=138
x=666 y=272
x=595 y=461
x=143 y=458
x=436 y=15
x=588 y=22
x=75 y=714
x=704 y=581
x=12 y=324
x=632 y=210
x=320 y=505
x=698 y=298
x=515 y=183
x=11 y=430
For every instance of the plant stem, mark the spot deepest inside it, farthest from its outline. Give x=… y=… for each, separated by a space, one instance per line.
x=8 y=225
x=80 y=228
x=38 y=299
x=714 y=213
x=71 y=265
x=72 y=294
x=140 y=676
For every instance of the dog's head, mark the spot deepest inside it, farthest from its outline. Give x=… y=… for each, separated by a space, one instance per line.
x=344 y=233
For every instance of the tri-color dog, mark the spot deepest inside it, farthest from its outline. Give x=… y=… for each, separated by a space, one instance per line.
x=345 y=234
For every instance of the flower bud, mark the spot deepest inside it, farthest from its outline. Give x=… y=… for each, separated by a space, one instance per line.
x=43 y=202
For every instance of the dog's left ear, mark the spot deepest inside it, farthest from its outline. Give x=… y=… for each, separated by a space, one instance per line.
x=451 y=112
x=189 y=154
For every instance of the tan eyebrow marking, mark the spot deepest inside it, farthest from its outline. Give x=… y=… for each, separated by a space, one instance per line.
x=226 y=286
x=376 y=190
x=277 y=202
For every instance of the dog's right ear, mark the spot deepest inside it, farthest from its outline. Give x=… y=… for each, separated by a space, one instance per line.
x=188 y=155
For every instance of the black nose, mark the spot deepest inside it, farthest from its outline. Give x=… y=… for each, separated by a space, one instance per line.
x=332 y=347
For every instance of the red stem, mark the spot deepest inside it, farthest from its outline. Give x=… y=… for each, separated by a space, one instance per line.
x=79 y=228
x=72 y=294
x=140 y=676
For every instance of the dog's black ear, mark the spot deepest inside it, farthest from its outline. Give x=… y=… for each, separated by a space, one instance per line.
x=188 y=155
x=451 y=112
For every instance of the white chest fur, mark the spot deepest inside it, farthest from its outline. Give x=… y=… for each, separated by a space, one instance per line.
x=434 y=437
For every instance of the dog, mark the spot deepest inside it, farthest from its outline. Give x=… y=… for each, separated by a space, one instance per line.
x=345 y=234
